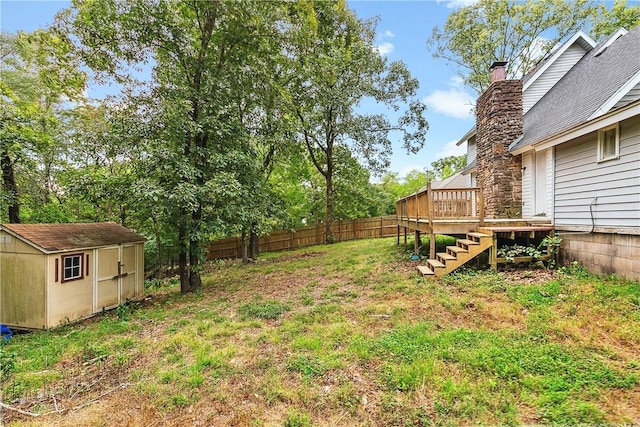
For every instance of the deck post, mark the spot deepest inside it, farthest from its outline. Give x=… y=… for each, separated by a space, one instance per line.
x=432 y=246
x=416 y=243
x=430 y=205
x=493 y=252
x=481 y=206
x=405 y=237
x=432 y=236
x=398 y=236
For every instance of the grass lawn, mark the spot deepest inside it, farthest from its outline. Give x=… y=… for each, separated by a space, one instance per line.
x=342 y=335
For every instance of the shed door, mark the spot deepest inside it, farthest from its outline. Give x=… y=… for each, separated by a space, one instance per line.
x=128 y=272
x=107 y=292
x=116 y=281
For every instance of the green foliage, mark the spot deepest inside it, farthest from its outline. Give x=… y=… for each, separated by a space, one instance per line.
x=520 y=33
x=541 y=295
x=39 y=75
x=447 y=166
x=7 y=359
x=510 y=252
x=153 y=284
x=297 y=419
x=270 y=309
x=619 y=16
x=337 y=67
x=307 y=366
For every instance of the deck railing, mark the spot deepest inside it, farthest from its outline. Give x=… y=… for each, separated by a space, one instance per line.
x=441 y=204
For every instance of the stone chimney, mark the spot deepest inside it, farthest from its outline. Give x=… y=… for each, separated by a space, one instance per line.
x=499 y=121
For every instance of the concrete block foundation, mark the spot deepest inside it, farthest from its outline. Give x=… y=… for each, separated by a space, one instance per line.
x=603 y=253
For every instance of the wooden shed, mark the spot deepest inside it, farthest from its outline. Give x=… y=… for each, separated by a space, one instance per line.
x=51 y=274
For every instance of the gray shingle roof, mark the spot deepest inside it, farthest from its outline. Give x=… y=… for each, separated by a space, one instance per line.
x=584 y=89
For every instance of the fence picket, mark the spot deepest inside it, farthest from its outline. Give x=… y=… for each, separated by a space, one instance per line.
x=282 y=240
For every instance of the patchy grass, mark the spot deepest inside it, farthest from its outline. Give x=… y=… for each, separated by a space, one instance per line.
x=345 y=334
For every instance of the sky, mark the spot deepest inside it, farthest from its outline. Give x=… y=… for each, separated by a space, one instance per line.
x=402 y=33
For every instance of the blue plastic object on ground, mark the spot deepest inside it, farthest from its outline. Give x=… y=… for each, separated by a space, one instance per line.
x=6 y=332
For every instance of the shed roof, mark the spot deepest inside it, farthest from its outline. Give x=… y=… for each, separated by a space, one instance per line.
x=584 y=89
x=63 y=237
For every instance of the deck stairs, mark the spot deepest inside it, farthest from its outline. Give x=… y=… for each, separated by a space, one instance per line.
x=455 y=256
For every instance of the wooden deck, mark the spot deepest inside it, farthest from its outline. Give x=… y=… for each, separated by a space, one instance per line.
x=456 y=212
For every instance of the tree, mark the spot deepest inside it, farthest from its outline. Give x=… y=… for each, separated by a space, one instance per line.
x=38 y=77
x=447 y=166
x=203 y=56
x=620 y=15
x=336 y=68
x=520 y=33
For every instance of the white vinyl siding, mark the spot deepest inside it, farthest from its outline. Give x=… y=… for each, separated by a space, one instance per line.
x=551 y=76
x=527 y=189
x=471 y=151
x=614 y=185
x=550 y=182
x=632 y=95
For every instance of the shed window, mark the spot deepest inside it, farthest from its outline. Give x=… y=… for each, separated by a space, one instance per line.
x=71 y=267
x=608 y=143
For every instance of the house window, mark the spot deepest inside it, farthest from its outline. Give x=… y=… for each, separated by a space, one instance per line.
x=71 y=267
x=608 y=143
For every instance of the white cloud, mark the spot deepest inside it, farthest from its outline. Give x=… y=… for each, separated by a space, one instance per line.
x=455 y=102
x=388 y=33
x=457 y=4
x=384 y=48
x=451 y=149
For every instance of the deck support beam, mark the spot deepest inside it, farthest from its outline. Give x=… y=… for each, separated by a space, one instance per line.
x=416 y=243
x=432 y=246
x=493 y=253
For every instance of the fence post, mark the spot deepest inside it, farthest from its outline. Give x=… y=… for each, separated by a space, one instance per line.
x=355 y=228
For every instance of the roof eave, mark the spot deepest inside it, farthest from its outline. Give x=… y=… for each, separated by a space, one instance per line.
x=579 y=36
x=616 y=97
x=581 y=129
x=467 y=136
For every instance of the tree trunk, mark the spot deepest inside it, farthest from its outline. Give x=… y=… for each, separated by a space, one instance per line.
x=245 y=248
x=329 y=219
x=10 y=187
x=195 y=281
x=254 y=242
x=183 y=267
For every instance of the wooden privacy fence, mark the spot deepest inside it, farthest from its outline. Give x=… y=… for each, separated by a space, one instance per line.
x=281 y=240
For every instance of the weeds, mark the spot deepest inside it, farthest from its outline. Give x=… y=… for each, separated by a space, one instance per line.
x=263 y=310
x=345 y=334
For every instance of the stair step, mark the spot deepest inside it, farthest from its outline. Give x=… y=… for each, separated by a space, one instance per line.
x=425 y=271
x=434 y=263
x=468 y=242
x=457 y=249
x=478 y=235
x=445 y=256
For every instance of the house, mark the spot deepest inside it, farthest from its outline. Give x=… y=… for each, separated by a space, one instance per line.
x=51 y=274
x=561 y=146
